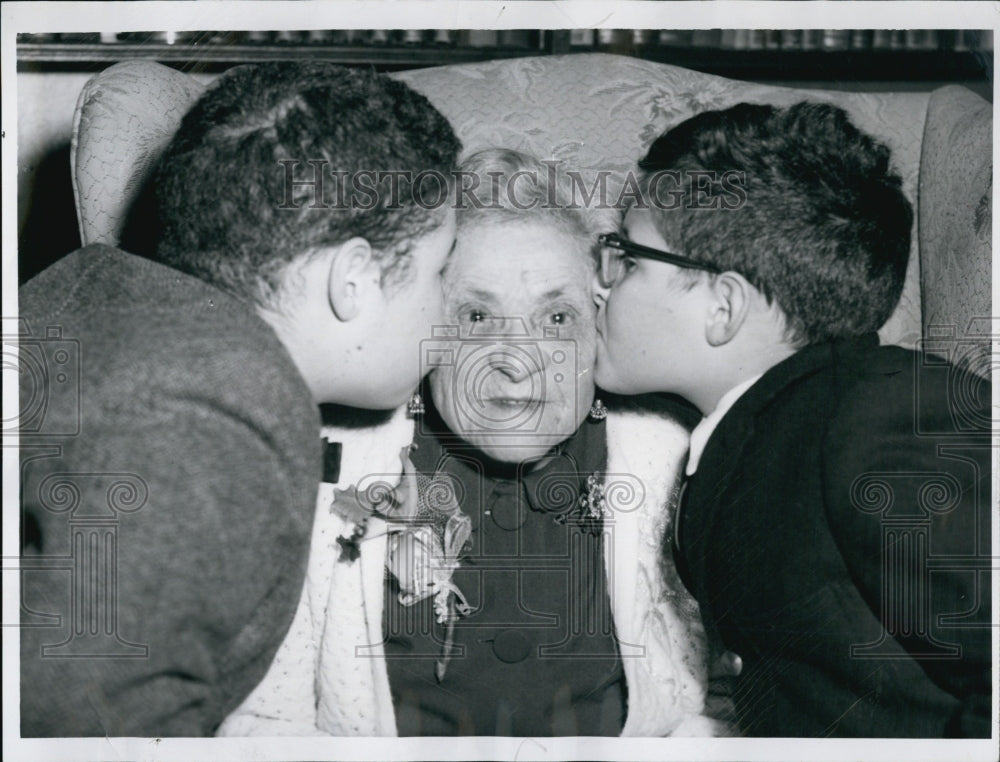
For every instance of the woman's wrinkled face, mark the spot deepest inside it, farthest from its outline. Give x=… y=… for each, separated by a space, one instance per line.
x=516 y=377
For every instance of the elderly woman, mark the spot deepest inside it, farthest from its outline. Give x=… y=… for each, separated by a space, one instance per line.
x=525 y=595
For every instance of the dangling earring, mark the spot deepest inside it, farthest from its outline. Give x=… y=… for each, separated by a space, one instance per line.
x=415 y=406
x=598 y=412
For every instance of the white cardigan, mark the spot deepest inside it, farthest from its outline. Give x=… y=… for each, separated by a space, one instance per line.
x=329 y=676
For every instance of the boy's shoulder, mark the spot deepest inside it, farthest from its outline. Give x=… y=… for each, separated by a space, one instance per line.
x=898 y=422
x=855 y=405
x=911 y=392
x=862 y=385
x=822 y=382
x=142 y=337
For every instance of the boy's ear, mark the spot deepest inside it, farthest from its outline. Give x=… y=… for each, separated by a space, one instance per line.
x=352 y=276
x=729 y=303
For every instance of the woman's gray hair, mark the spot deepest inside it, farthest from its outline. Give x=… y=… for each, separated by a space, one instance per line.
x=498 y=185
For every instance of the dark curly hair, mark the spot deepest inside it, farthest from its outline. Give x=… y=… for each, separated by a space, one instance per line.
x=823 y=227
x=225 y=210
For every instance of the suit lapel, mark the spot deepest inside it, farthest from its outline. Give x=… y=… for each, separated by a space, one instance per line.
x=702 y=500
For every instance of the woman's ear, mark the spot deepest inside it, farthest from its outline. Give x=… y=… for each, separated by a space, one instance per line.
x=729 y=302
x=352 y=275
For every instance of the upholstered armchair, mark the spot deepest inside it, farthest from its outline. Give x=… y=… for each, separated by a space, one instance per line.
x=599 y=112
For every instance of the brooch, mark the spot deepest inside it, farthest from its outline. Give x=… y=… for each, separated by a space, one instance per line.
x=592 y=505
x=593 y=501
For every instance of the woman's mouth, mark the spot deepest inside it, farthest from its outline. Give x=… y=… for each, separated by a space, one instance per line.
x=512 y=402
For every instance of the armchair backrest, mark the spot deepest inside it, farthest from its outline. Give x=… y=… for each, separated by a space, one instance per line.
x=595 y=112
x=124 y=118
x=956 y=220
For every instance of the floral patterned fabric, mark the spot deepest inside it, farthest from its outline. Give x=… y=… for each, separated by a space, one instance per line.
x=956 y=204
x=124 y=118
x=591 y=111
x=600 y=112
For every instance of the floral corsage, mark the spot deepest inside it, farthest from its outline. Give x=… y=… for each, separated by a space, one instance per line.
x=427 y=535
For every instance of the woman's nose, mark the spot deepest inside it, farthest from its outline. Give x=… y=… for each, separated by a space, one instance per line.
x=513 y=362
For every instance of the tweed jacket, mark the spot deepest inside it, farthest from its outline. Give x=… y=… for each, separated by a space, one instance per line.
x=168 y=462
x=330 y=678
x=836 y=534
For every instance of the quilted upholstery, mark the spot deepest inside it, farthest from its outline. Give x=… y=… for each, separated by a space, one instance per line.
x=592 y=111
x=956 y=201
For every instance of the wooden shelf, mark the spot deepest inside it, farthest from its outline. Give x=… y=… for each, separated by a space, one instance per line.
x=830 y=65
x=848 y=65
x=46 y=56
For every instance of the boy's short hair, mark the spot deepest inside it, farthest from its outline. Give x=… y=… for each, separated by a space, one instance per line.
x=822 y=227
x=237 y=197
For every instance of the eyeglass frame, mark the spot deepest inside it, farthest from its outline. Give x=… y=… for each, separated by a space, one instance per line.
x=615 y=241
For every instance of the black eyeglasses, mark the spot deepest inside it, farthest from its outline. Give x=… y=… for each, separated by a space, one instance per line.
x=614 y=248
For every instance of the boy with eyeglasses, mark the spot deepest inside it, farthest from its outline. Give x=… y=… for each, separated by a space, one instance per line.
x=834 y=525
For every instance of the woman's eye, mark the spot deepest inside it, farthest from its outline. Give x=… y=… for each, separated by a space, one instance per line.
x=561 y=317
x=476 y=316
x=629 y=263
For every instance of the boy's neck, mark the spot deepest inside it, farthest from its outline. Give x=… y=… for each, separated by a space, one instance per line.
x=735 y=368
x=295 y=329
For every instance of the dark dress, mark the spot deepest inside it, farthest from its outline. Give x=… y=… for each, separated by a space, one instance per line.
x=538 y=655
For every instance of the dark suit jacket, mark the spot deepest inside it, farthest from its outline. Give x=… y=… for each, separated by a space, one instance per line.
x=169 y=461
x=837 y=537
